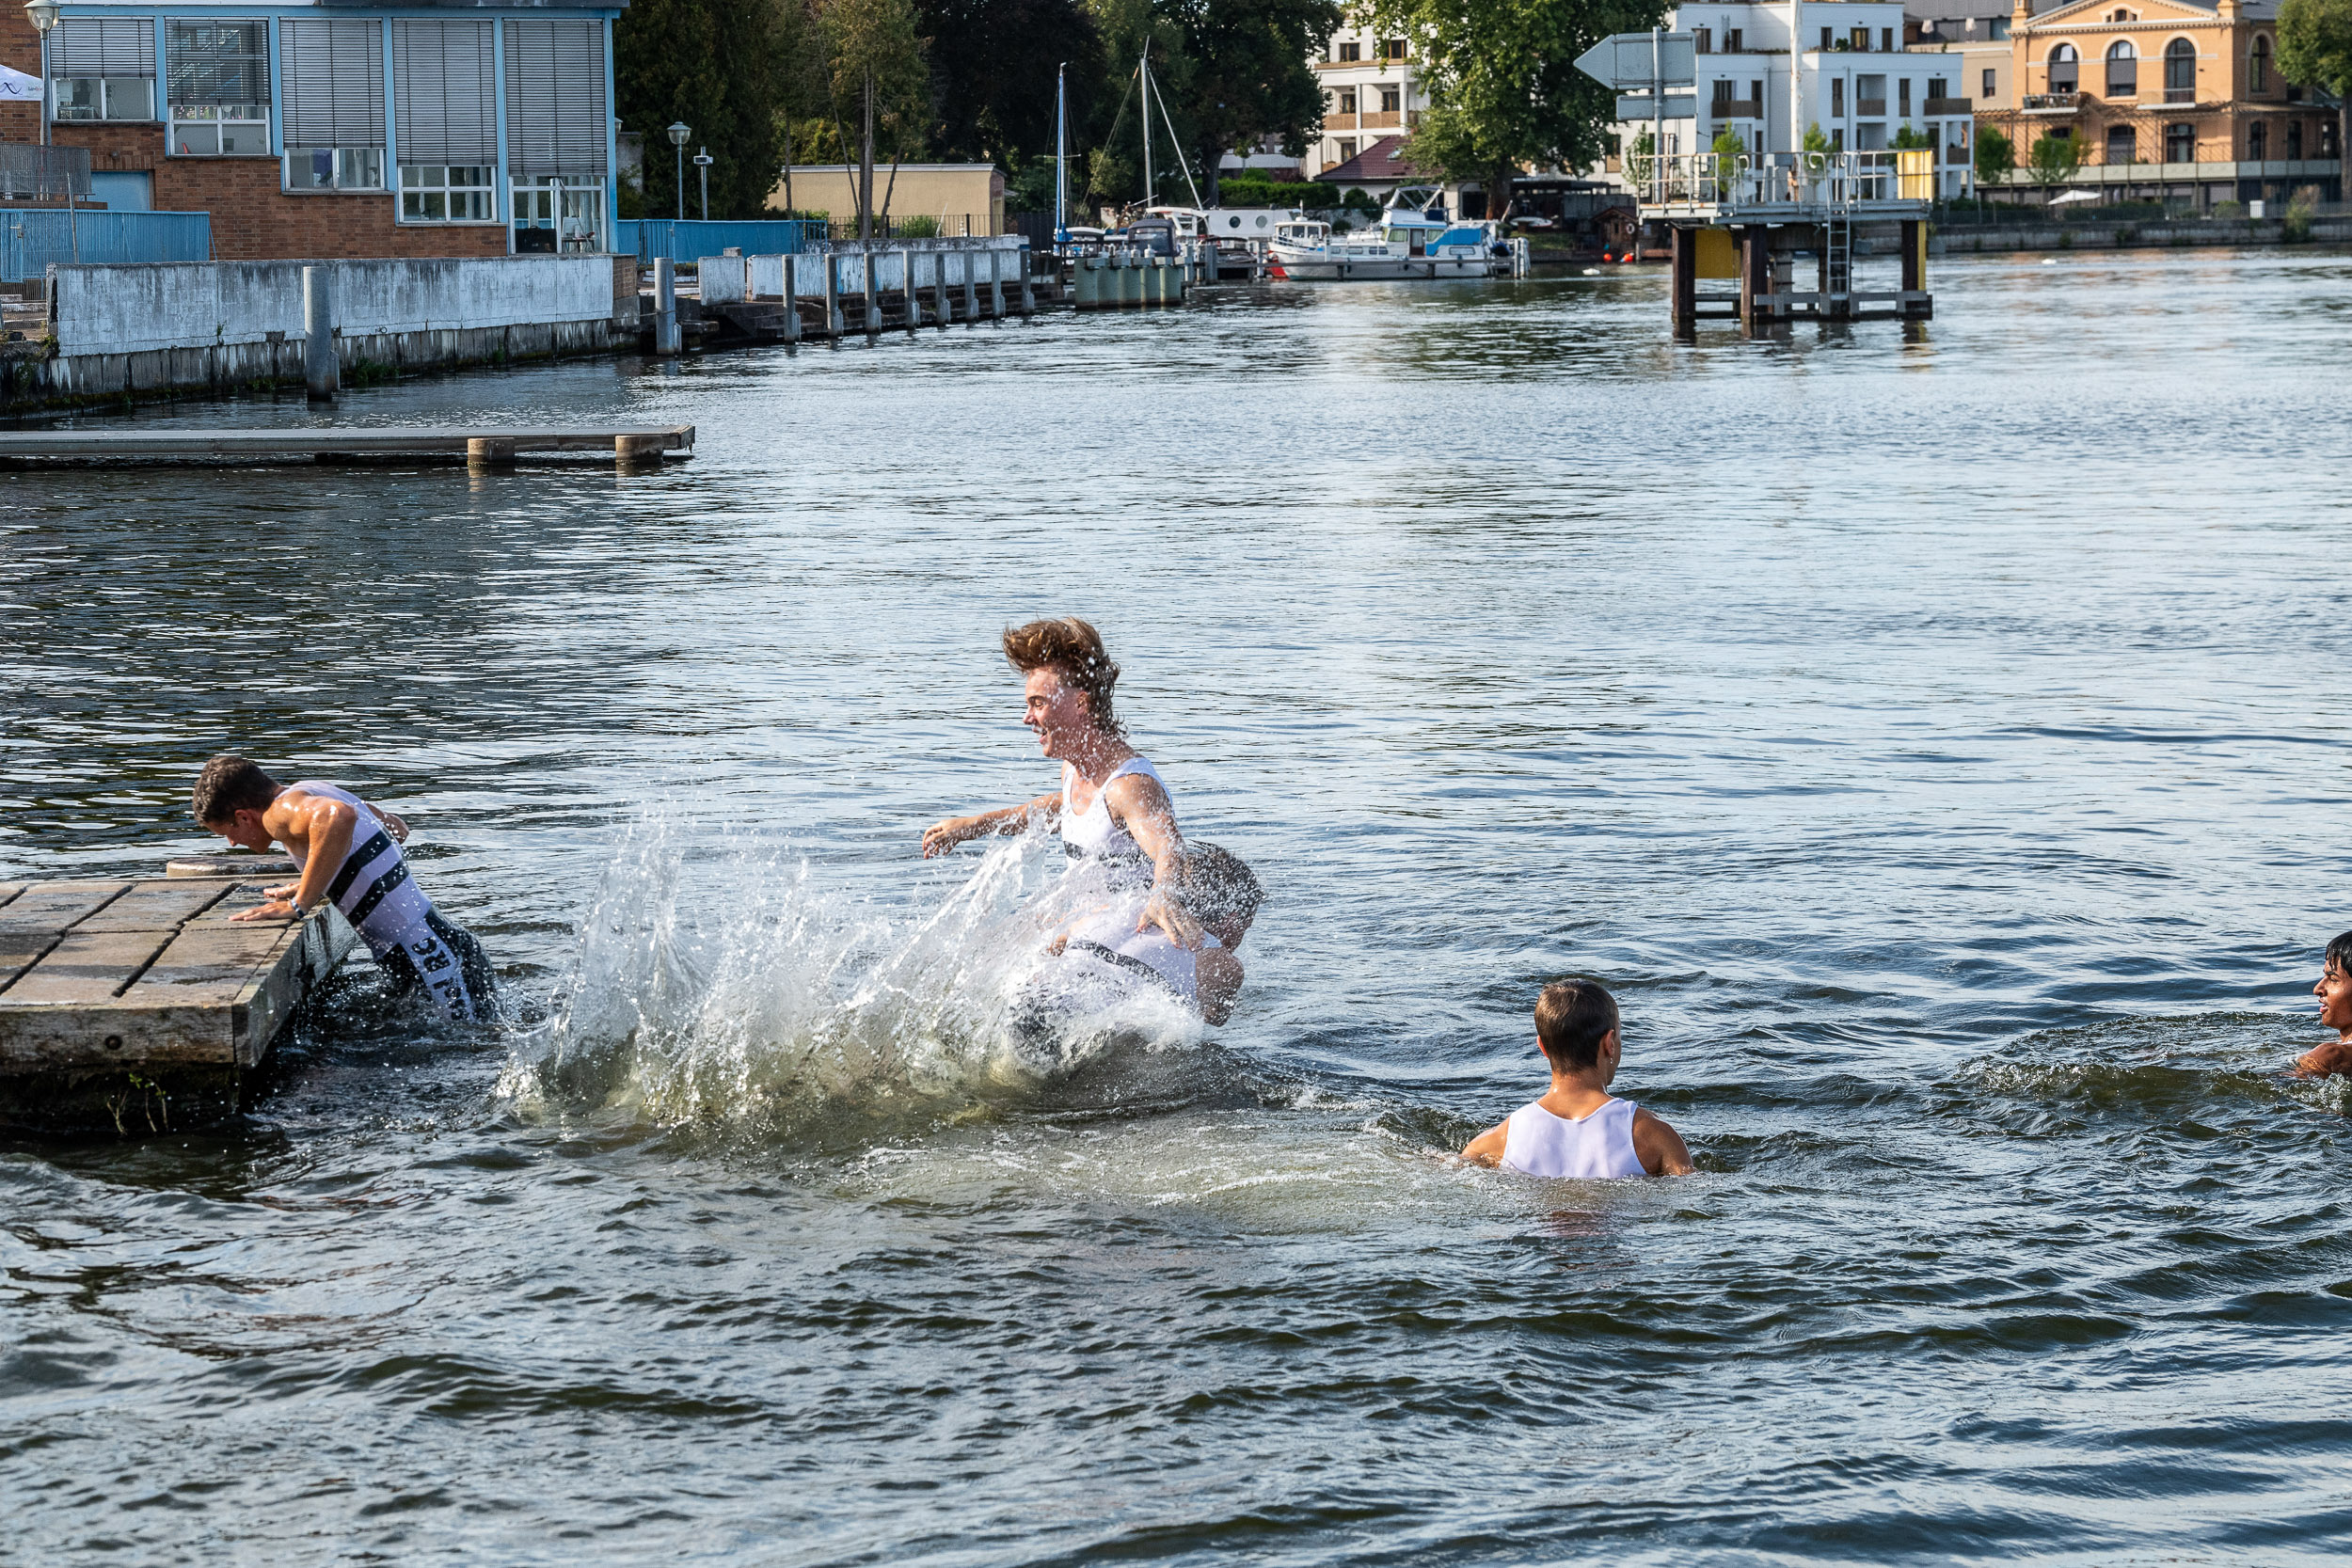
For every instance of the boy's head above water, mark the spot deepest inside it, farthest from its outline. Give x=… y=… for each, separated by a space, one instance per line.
x=1576 y=1023
x=230 y=796
x=2334 y=989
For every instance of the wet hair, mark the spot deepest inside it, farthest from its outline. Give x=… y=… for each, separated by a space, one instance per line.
x=1218 y=887
x=2340 y=954
x=1572 y=1018
x=230 y=785
x=1072 y=649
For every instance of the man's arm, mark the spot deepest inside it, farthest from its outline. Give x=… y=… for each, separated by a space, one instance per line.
x=1138 y=804
x=948 y=832
x=392 y=825
x=1659 y=1147
x=326 y=827
x=2324 y=1061
x=1217 y=980
x=1486 y=1148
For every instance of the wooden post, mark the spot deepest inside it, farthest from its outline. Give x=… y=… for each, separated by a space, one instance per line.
x=1756 y=276
x=666 y=339
x=483 y=453
x=1821 y=271
x=322 y=371
x=1683 y=264
x=1914 y=258
x=873 y=312
x=628 y=450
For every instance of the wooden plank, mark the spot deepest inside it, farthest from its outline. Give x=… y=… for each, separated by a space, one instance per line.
x=155 y=907
x=213 y=966
x=228 y=866
x=344 y=440
x=9 y=891
x=240 y=897
x=19 y=951
x=114 y=1034
x=84 y=968
x=55 y=905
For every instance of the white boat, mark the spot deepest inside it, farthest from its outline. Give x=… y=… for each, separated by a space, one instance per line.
x=1413 y=240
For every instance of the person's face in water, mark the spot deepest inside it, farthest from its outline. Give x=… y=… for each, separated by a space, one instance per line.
x=2334 y=991
x=1057 y=711
x=244 y=829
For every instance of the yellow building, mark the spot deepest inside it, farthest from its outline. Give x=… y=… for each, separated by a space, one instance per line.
x=2171 y=100
x=962 y=198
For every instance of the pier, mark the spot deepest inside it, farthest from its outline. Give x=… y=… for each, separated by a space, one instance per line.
x=475 y=444
x=139 y=1003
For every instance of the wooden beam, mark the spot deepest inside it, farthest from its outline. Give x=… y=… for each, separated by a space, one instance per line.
x=307 y=442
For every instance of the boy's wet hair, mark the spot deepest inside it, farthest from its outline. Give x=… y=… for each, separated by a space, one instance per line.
x=2340 y=954
x=1218 y=887
x=230 y=785
x=1572 y=1018
x=1075 y=649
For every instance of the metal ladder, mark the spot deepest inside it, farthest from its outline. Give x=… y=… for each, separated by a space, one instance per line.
x=1838 y=281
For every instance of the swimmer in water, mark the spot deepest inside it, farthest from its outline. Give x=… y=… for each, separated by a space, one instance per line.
x=1578 y=1130
x=1111 y=807
x=2334 y=991
x=349 y=851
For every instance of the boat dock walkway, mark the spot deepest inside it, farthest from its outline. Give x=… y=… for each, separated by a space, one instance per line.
x=475 y=444
x=140 y=1002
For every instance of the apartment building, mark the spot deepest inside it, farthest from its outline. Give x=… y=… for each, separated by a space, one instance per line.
x=1369 y=92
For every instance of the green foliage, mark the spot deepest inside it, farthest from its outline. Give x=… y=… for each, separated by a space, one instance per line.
x=1910 y=138
x=1996 y=156
x=1250 y=80
x=1638 y=157
x=1815 y=139
x=2315 y=43
x=1314 y=195
x=1359 y=200
x=728 y=68
x=2052 y=160
x=2228 y=210
x=993 y=74
x=1727 y=144
x=916 y=228
x=1504 y=90
x=2301 y=208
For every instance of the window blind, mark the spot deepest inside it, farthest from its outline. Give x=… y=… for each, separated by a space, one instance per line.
x=331 y=76
x=555 y=114
x=220 y=63
x=444 y=92
x=109 y=46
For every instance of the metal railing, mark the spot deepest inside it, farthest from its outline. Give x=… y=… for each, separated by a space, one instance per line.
x=691 y=240
x=33 y=237
x=29 y=172
x=1713 y=179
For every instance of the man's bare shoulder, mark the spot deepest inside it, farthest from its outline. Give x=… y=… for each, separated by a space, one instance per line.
x=2327 y=1061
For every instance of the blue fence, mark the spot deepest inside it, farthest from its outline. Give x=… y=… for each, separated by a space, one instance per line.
x=32 y=237
x=693 y=239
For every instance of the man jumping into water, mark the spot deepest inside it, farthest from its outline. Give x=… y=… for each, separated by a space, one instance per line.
x=349 y=851
x=2334 y=991
x=1578 y=1130
x=1111 y=807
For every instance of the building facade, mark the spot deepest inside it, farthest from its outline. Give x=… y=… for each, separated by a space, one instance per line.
x=961 y=198
x=1856 y=84
x=336 y=130
x=2172 y=100
x=1370 y=90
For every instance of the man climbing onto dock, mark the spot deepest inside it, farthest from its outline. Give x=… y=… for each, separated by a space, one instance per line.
x=349 y=851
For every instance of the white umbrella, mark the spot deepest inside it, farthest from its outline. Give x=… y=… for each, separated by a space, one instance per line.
x=17 y=88
x=2074 y=196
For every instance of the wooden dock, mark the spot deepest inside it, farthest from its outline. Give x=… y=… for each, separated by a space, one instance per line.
x=140 y=1003
x=475 y=444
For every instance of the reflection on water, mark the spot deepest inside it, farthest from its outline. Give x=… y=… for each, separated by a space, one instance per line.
x=1935 y=738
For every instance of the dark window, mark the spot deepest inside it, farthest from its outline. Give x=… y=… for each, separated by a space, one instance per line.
x=1861 y=39
x=2258 y=141
x=1347 y=100
x=1836 y=96
x=1826 y=40
x=2123 y=71
x=1388 y=100
x=1703 y=41
x=2295 y=138
x=2258 y=66
x=2064 y=64
x=2327 y=139
x=1723 y=95
x=1351 y=50
x=2121 y=148
x=1902 y=98
x=1731 y=40
x=1755 y=95
x=2180 y=144
x=1990 y=76
x=2180 y=72
x=2000 y=28
x=1886 y=41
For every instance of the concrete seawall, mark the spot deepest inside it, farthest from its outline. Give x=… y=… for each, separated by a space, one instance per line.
x=1968 y=239
x=117 y=333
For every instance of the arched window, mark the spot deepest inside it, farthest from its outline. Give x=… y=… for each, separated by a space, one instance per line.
x=2063 y=65
x=2258 y=66
x=2180 y=143
x=2180 y=72
x=2123 y=147
x=2123 y=70
x=2258 y=141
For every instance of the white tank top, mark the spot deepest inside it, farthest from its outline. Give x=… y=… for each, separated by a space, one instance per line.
x=1596 y=1145
x=1110 y=939
x=372 y=887
x=1091 y=832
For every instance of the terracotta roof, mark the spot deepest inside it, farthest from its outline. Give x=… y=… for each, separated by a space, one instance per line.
x=1383 y=160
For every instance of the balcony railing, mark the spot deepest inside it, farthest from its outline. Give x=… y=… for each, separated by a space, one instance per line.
x=1870 y=107
x=1378 y=119
x=2051 y=102
x=39 y=174
x=1938 y=108
x=1736 y=108
x=1809 y=179
x=2179 y=95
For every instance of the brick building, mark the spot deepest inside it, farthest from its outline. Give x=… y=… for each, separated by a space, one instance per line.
x=336 y=129
x=2172 y=100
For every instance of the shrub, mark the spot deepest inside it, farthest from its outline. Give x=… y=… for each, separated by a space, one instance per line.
x=917 y=229
x=1244 y=192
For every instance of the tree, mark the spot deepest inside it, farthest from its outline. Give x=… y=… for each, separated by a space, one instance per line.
x=2315 y=50
x=722 y=67
x=993 y=67
x=1251 y=80
x=2052 y=160
x=1504 y=90
x=1114 y=167
x=871 y=49
x=1815 y=139
x=1910 y=138
x=1996 y=155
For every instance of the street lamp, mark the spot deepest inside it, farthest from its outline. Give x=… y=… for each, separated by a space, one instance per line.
x=678 y=132
x=703 y=161
x=44 y=16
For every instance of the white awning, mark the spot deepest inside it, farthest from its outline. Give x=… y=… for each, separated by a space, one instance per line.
x=17 y=88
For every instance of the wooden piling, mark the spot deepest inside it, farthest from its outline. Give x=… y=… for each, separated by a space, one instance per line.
x=1683 y=281
x=1755 y=277
x=322 y=371
x=486 y=452
x=1028 y=291
x=873 y=311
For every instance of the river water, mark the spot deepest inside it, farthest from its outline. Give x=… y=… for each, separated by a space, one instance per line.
x=1937 y=739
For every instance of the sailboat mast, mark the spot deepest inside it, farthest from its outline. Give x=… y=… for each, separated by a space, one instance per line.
x=1061 y=158
x=1147 y=121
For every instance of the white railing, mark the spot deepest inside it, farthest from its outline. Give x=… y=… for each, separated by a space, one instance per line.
x=1842 y=178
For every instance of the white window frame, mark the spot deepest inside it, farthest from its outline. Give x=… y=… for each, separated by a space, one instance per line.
x=209 y=117
x=417 y=189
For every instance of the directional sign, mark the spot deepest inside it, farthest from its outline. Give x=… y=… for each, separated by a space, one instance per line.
x=1639 y=59
x=1677 y=105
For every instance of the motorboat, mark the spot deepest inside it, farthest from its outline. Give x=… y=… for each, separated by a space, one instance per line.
x=1413 y=239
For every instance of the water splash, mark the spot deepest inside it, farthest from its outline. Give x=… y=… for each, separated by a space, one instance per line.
x=738 y=989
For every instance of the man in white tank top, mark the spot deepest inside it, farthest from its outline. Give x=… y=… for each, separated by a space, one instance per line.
x=1578 y=1130
x=350 y=854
